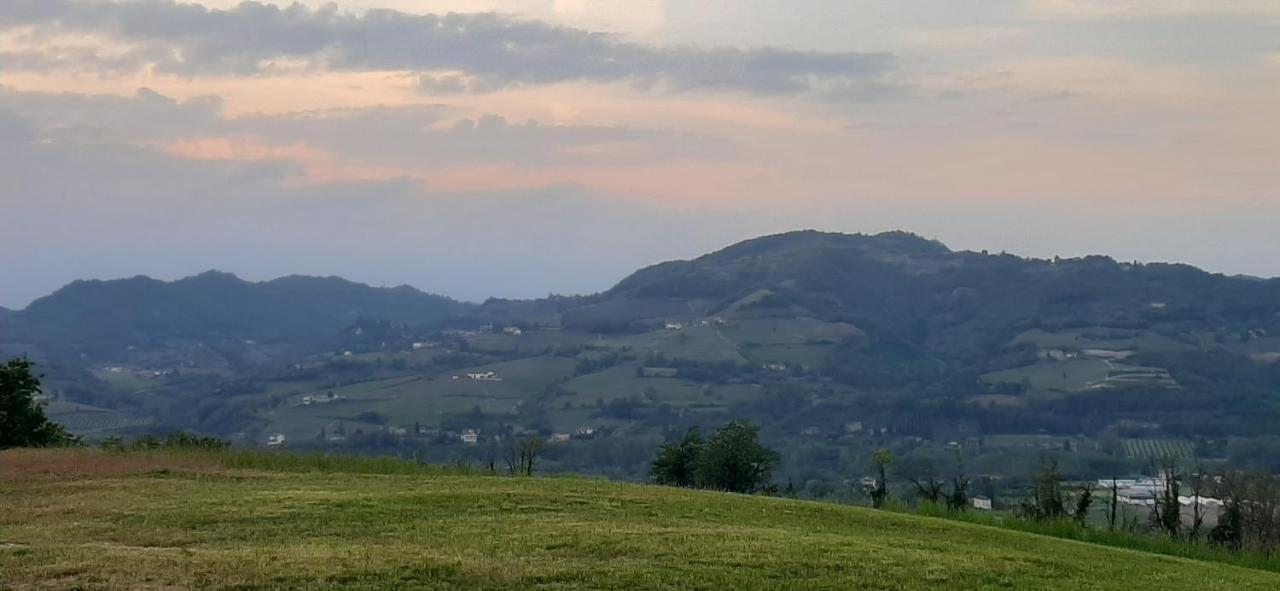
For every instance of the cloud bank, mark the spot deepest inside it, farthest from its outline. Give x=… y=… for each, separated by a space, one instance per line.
x=455 y=52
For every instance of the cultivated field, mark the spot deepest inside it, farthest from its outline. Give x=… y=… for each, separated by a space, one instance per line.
x=93 y=520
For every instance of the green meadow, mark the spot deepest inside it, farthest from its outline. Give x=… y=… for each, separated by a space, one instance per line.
x=87 y=519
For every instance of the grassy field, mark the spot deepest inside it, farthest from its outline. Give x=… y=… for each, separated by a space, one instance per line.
x=93 y=520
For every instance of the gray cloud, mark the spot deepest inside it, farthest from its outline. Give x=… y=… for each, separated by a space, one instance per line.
x=494 y=51
x=411 y=135
x=423 y=136
x=145 y=116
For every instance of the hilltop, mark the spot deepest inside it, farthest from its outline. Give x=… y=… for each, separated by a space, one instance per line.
x=99 y=520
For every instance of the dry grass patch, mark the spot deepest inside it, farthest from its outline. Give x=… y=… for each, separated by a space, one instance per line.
x=80 y=464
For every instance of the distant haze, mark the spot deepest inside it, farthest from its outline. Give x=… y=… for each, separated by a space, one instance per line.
x=478 y=148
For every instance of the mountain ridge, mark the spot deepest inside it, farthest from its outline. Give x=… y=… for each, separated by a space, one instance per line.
x=97 y=315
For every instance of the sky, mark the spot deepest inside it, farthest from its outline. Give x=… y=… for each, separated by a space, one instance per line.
x=518 y=148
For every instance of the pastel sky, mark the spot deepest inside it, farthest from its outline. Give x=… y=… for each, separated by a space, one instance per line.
x=516 y=148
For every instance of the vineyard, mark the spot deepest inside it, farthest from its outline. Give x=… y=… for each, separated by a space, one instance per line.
x=94 y=422
x=1158 y=448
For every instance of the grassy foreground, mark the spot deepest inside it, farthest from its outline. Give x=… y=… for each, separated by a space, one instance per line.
x=95 y=520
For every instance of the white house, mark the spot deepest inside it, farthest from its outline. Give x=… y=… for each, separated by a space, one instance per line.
x=470 y=437
x=513 y=331
x=674 y=326
x=981 y=503
x=275 y=439
x=558 y=438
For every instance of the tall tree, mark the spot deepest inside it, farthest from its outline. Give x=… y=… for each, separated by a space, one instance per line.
x=733 y=460
x=1113 y=504
x=1167 y=510
x=881 y=458
x=22 y=419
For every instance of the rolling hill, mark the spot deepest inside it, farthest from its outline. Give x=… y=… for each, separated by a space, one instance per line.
x=102 y=319
x=94 y=520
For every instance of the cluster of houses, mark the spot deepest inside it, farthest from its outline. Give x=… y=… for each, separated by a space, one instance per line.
x=324 y=398
x=142 y=373
x=484 y=376
x=716 y=321
x=472 y=436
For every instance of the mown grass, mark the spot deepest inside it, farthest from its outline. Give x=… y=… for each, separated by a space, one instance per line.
x=208 y=520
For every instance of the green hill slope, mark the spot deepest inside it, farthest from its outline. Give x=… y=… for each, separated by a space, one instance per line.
x=128 y=521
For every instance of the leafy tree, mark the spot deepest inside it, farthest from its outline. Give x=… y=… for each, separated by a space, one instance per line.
x=677 y=462
x=733 y=460
x=22 y=419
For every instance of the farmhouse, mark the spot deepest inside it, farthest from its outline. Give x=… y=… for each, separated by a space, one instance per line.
x=327 y=397
x=982 y=503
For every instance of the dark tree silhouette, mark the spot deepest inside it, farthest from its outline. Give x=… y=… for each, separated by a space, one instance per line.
x=22 y=419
